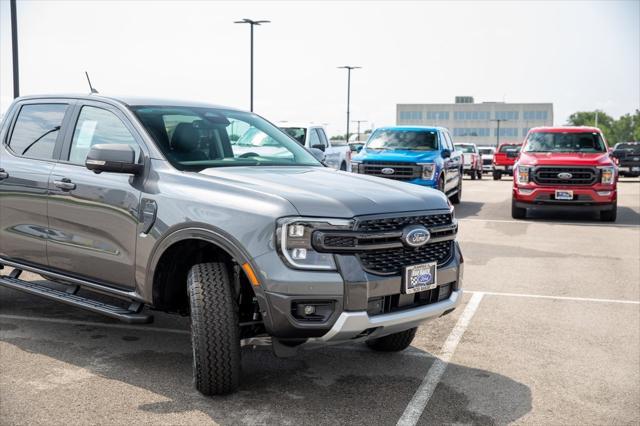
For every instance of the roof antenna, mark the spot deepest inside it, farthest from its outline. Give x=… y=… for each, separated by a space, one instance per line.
x=90 y=86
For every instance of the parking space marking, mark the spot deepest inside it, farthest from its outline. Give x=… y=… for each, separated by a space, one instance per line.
x=94 y=324
x=541 y=296
x=602 y=225
x=421 y=398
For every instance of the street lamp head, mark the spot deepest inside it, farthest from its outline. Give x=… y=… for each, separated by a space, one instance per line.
x=349 y=67
x=251 y=21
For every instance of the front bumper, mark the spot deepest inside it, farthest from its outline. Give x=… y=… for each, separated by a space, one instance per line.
x=594 y=198
x=351 y=293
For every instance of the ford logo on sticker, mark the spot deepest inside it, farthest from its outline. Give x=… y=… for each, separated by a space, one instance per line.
x=564 y=175
x=388 y=171
x=424 y=279
x=415 y=236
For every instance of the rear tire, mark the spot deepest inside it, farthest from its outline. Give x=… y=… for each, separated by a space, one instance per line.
x=457 y=197
x=497 y=175
x=395 y=342
x=517 y=212
x=479 y=174
x=473 y=175
x=215 y=332
x=610 y=215
x=343 y=166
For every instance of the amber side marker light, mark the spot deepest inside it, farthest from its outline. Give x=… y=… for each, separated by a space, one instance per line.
x=253 y=279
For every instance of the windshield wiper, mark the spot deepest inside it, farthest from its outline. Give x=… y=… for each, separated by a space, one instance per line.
x=55 y=129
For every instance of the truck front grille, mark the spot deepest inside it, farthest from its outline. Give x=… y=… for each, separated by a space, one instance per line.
x=401 y=171
x=397 y=223
x=391 y=261
x=487 y=161
x=565 y=176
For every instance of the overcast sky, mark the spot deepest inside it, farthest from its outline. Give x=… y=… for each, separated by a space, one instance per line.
x=578 y=55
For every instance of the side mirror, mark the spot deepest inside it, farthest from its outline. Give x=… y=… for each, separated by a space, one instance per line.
x=358 y=149
x=318 y=154
x=320 y=147
x=446 y=153
x=115 y=158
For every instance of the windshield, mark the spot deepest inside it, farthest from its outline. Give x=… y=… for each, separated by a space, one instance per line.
x=411 y=140
x=465 y=148
x=486 y=151
x=298 y=133
x=510 y=148
x=194 y=138
x=565 y=142
x=633 y=147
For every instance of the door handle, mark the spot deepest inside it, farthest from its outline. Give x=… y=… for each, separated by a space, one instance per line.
x=65 y=184
x=3 y=174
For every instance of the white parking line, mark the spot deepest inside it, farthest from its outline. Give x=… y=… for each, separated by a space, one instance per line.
x=421 y=398
x=547 y=222
x=94 y=324
x=541 y=296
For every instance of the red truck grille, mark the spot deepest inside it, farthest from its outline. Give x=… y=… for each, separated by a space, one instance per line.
x=565 y=176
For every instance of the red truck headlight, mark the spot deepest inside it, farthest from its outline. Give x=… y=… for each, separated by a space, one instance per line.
x=608 y=174
x=522 y=174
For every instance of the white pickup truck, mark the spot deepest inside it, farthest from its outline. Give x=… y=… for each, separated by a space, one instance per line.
x=314 y=136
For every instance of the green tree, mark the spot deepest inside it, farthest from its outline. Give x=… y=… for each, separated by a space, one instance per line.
x=627 y=128
x=588 y=118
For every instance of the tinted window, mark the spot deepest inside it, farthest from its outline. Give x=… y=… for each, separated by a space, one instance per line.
x=414 y=140
x=298 y=133
x=465 y=148
x=510 y=148
x=314 y=139
x=196 y=138
x=323 y=137
x=36 y=130
x=98 y=126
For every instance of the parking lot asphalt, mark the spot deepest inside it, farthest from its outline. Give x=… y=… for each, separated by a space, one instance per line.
x=548 y=333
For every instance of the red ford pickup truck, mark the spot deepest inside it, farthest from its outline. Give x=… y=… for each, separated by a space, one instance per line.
x=565 y=168
x=504 y=159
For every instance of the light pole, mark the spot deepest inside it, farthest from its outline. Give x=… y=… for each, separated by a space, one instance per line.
x=251 y=23
x=348 y=68
x=358 y=121
x=498 y=121
x=14 y=49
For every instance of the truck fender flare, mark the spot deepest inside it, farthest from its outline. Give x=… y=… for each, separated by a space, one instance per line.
x=197 y=231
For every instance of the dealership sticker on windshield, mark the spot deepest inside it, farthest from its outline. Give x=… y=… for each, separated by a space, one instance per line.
x=563 y=194
x=420 y=278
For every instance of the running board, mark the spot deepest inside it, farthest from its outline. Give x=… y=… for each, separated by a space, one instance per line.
x=131 y=315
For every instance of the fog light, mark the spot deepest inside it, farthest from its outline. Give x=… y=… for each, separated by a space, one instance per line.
x=525 y=191
x=299 y=253
x=309 y=310
x=603 y=193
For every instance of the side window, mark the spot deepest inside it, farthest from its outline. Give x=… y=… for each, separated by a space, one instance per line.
x=36 y=130
x=98 y=126
x=323 y=137
x=314 y=139
x=446 y=142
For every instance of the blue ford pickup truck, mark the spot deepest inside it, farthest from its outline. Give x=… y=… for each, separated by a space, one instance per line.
x=421 y=155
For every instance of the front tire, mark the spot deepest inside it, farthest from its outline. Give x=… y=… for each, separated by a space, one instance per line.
x=395 y=342
x=457 y=197
x=343 y=166
x=610 y=215
x=215 y=332
x=517 y=212
x=473 y=175
x=479 y=174
x=497 y=175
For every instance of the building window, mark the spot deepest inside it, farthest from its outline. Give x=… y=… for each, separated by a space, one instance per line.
x=536 y=115
x=437 y=115
x=471 y=115
x=471 y=131
x=410 y=115
x=507 y=132
x=507 y=115
x=525 y=130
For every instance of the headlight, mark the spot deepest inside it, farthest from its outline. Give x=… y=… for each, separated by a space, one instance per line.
x=294 y=237
x=523 y=174
x=428 y=170
x=355 y=166
x=608 y=174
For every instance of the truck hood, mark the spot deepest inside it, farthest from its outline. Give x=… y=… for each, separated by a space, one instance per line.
x=324 y=192
x=565 y=159
x=396 y=155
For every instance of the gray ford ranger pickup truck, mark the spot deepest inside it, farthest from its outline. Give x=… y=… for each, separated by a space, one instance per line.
x=194 y=209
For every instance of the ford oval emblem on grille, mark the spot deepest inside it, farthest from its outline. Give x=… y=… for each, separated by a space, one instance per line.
x=415 y=236
x=564 y=176
x=388 y=171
